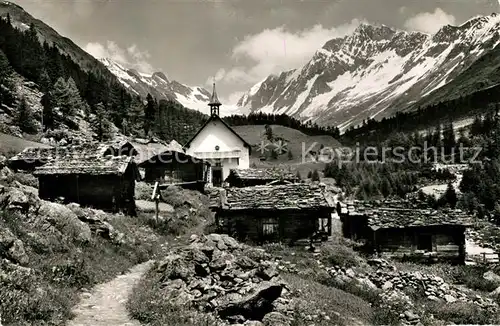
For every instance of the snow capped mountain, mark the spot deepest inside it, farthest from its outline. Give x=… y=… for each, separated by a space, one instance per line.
x=373 y=73
x=161 y=87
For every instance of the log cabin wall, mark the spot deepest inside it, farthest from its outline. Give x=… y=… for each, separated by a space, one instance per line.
x=180 y=172
x=108 y=192
x=258 y=226
x=429 y=243
x=355 y=227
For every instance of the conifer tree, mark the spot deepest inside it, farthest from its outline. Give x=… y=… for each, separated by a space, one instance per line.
x=101 y=123
x=44 y=81
x=450 y=195
x=6 y=71
x=47 y=113
x=75 y=103
x=149 y=114
x=136 y=116
x=25 y=119
x=449 y=141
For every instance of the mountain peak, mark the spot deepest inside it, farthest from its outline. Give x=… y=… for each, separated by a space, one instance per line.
x=8 y=3
x=161 y=75
x=375 y=32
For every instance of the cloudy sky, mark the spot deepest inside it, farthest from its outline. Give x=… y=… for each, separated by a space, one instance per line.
x=238 y=42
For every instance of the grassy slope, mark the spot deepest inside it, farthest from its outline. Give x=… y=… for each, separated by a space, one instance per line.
x=296 y=141
x=12 y=145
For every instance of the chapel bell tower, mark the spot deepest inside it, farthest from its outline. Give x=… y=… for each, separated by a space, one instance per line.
x=214 y=103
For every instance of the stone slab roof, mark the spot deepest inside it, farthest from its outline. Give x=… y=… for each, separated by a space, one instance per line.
x=263 y=174
x=292 y=196
x=32 y=154
x=147 y=151
x=403 y=214
x=86 y=165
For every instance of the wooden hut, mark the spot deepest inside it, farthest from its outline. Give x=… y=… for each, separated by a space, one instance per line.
x=176 y=168
x=273 y=213
x=105 y=182
x=257 y=177
x=406 y=232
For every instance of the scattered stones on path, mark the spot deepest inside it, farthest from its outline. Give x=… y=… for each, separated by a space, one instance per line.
x=105 y=305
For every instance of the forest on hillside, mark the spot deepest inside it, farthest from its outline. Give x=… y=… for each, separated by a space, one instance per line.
x=424 y=118
x=69 y=91
x=374 y=178
x=259 y=118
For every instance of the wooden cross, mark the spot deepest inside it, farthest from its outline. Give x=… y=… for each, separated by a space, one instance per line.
x=156 y=197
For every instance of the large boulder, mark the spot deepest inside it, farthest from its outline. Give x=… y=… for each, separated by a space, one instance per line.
x=12 y=248
x=65 y=221
x=3 y=161
x=254 y=306
x=491 y=276
x=96 y=220
x=217 y=274
x=6 y=174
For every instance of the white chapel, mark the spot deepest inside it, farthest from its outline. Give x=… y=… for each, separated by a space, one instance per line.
x=219 y=144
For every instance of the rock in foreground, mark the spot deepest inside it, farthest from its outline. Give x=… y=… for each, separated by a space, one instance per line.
x=216 y=274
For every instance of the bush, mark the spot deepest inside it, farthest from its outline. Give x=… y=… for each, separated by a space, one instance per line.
x=463 y=313
x=340 y=252
x=143 y=191
x=472 y=277
x=24 y=179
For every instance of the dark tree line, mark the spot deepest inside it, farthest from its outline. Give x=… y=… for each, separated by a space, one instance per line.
x=260 y=118
x=462 y=107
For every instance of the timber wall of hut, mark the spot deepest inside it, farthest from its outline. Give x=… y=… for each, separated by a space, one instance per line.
x=429 y=243
x=180 y=172
x=107 y=192
x=259 y=226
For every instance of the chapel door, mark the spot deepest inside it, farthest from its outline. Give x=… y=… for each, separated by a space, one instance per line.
x=217 y=176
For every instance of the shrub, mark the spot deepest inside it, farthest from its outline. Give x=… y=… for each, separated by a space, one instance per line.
x=143 y=191
x=463 y=313
x=25 y=179
x=339 y=252
x=472 y=277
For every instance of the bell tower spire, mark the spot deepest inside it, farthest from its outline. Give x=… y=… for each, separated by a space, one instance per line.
x=214 y=103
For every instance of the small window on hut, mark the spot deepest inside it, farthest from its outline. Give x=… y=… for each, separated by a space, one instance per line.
x=424 y=242
x=270 y=226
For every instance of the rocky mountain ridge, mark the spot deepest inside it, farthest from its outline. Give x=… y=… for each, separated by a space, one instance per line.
x=161 y=87
x=375 y=72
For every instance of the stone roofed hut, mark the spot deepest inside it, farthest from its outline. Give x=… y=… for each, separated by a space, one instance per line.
x=256 y=177
x=406 y=230
x=106 y=182
x=32 y=157
x=273 y=213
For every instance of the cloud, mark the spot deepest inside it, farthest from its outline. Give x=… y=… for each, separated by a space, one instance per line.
x=131 y=57
x=430 y=22
x=275 y=50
